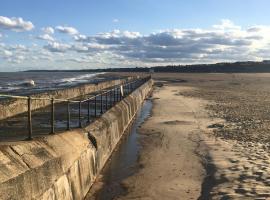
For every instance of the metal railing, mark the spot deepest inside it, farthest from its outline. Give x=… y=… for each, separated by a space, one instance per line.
x=98 y=103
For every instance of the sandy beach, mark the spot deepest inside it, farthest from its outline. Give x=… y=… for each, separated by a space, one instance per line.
x=186 y=154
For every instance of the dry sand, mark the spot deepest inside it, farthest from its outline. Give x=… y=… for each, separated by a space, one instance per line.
x=182 y=158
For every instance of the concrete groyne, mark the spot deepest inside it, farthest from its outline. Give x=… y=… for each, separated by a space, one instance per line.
x=12 y=107
x=64 y=166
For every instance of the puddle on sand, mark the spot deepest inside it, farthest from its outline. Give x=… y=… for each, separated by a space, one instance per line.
x=123 y=162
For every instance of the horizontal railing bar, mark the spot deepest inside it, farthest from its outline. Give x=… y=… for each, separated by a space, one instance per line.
x=36 y=98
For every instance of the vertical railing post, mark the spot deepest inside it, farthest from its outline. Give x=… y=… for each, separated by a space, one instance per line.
x=29 y=119
x=128 y=86
x=88 y=109
x=120 y=92
x=101 y=104
x=117 y=94
x=127 y=89
x=52 y=116
x=68 y=116
x=106 y=100
x=111 y=98
x=114 y=95
x=95 y=106
x=80 y=110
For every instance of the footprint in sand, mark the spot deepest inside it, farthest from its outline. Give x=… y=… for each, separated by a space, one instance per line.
x=178 y=122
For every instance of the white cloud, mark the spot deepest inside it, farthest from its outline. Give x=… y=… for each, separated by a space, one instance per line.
x=16 y=59
x=225 y=42
x=48 y=30
x=80 y=37
x=115 y=20
x=15 y=24
x=79 y=48
x=57 y=47
x=95 y=46
x=20 y=57
x=14 y=54
x=17 y=47
x=7 y=53
x=129 y=34
x=67 y=29
x=46 y=37
x=227 y=24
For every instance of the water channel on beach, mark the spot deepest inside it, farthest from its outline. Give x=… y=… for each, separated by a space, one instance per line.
x=123 y=162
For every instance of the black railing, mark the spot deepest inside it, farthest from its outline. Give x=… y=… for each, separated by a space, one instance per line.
x=88 y=109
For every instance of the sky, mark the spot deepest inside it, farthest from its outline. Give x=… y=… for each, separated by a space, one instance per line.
x=85 y=34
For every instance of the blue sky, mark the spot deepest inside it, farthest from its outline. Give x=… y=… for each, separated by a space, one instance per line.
x=123 y=33
x=92 y=16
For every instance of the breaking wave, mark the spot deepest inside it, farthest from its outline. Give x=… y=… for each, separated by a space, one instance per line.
x=46 y=82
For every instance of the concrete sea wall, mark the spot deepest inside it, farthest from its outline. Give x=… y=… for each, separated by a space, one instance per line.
x=11 y=107
x=64 y=166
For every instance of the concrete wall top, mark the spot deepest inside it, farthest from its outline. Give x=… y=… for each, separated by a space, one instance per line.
x=28 y=169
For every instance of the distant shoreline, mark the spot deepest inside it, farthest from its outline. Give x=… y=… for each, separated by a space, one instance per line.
x=237 y=67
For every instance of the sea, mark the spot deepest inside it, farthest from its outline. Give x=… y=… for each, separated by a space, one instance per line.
x=26 y=83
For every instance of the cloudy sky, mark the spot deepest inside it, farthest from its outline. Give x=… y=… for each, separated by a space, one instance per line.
x=69 y=34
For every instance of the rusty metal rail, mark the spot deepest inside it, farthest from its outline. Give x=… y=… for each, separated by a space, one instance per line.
x=107 y=99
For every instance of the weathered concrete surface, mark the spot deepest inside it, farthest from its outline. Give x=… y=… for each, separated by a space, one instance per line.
x=11 y=107
x=64 y=166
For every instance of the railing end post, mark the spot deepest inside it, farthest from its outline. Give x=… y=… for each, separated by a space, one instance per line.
x=52 y=116
x=88 y=111
x=80 y=120
x=29 y=118
x=68 y=116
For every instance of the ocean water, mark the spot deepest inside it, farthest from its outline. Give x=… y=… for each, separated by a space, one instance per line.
x=25 y=83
